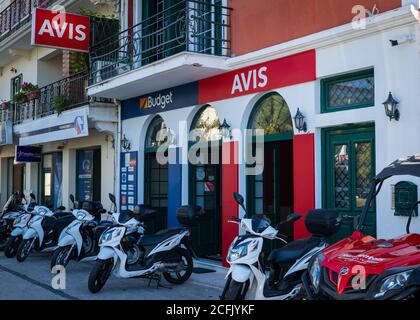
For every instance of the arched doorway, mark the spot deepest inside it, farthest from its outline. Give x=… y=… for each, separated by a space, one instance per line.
x=271 y=192
x=205 y=181
x=156 y=175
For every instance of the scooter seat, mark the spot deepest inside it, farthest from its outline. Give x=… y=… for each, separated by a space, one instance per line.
x=159 y=237
x=293 y=251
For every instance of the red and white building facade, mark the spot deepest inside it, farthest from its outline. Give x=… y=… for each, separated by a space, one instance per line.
x=311 y=56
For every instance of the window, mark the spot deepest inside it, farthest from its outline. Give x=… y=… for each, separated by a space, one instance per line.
x=351 y=91
x=272 y=114
x=15 y=85
x=207 y=125
x=157 y=133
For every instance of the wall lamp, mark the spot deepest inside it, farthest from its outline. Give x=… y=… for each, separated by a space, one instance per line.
x=391 y=108
x=300 y=123
x=125 y=144
x=225 y=130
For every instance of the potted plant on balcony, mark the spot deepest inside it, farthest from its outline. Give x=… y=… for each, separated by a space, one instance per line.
x=4 y=104
x=20 y=96
x=59 y=104
x=32 y=91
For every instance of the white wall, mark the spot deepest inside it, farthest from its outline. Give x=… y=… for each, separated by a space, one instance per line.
x=398 y=70
x=35 y=67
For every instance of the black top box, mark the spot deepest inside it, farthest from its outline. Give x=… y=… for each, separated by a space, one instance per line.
x=323 y=222
x=189 y=215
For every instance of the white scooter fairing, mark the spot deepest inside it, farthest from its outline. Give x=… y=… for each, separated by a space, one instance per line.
x=21 y=225
x=71 y=235
x=35 y=230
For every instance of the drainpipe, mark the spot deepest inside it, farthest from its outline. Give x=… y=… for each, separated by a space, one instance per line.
x=117 y=155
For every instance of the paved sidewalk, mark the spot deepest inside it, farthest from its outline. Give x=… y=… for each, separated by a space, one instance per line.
x=32 y=280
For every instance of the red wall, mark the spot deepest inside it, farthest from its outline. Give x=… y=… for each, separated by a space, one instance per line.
x=230 y=184
x=263 y=23
x=304 y=179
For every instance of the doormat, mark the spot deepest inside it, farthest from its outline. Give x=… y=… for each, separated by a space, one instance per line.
x=203 y=270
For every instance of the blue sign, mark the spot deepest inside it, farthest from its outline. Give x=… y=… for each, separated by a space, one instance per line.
x=128 y=184
x=26 y=154
x=160 y=101
x=85 y=175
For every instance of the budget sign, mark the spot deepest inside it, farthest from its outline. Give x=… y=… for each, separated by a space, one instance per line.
x=60 y=30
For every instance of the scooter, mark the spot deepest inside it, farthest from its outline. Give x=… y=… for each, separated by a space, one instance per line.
x=43 y=231
x=168 y=252
x=79 y=240
x=246 y=278
x=12 y=211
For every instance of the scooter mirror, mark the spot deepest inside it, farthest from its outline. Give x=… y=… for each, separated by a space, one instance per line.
x=32 y=196
x=72 y=198
x=238 y=198
x=293 y=217
x=112 y=198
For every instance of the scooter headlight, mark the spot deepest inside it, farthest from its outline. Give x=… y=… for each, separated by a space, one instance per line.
x=394 y=282
x=111 y=235
x=239 y=251
x=315 y=271
x=17 y=221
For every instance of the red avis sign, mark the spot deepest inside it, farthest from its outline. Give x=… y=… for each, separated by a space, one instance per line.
x=60 y=30
x=283 y=72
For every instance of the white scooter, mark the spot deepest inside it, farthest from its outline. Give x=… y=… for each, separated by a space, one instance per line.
x=43 y=231
x=168 y=252
x=8 y=222
x=20 y=226
x=79 y=240
x=247 y=280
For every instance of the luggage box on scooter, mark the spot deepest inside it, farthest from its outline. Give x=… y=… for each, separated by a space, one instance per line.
x=144 y=213
x=322 y=222
x=189 y=215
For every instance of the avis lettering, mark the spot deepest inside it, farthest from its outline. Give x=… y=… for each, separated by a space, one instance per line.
x=55 y=29
x=251 y=80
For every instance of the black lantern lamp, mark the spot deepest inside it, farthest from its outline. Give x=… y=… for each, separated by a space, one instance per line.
x=125 y=144
x=225 y=130
x=391 y=108
x=300 y=121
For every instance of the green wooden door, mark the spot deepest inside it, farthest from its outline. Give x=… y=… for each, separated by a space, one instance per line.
x=348 y=170
x=156 y=192
x=205 y=191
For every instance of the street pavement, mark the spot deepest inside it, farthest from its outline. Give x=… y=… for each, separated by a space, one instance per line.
x=31 y=280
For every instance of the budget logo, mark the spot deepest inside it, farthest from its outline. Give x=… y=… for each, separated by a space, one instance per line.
x=144 y=103
x=160 y=101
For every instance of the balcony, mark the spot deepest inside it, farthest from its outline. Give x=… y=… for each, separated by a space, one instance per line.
x=183 y=43
x=56 y=102
x=55 y=98
x=17 y=14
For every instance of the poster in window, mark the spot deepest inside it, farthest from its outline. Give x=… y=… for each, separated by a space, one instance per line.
x=129 y=177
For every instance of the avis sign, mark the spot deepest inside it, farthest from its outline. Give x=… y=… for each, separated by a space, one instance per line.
x=60 y=30
x=270 y=75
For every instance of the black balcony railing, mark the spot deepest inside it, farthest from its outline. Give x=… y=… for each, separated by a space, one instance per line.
x=17 y=14
x=54 y=98
x=189 y=25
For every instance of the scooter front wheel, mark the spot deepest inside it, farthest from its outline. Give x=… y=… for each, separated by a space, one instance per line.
x=11 y=246
x=100 y=274
x=61 y=257
x=235 y=292
x=23 y=250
